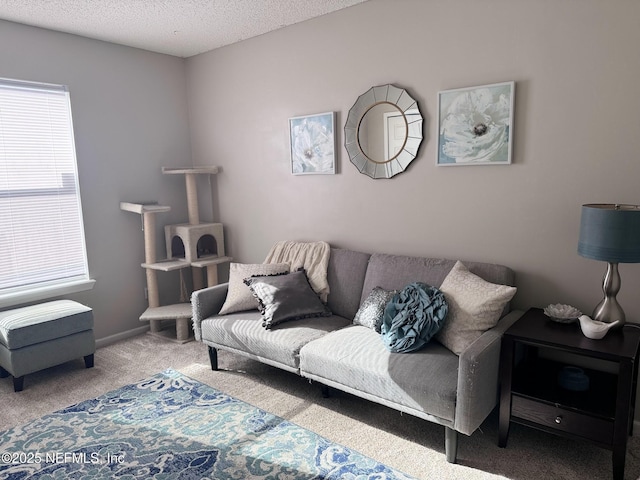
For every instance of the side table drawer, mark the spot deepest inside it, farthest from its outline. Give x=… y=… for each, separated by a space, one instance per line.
x=563 y=420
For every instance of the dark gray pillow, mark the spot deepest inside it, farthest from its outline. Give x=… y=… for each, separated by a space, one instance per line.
x=286 y=297
x=371 y=311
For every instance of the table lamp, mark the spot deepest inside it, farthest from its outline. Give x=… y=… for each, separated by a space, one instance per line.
x=610 y=233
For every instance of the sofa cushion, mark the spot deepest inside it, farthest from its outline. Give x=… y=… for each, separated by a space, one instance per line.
x=355 y=356
x=371 y=311
x=345 y=274
x=475 y=306
x=279 y=346
x=239 y=297
x=414 y=315
x=395 y=271
x=286 y=297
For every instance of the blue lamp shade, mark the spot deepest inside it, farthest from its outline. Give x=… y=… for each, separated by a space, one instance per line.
x=610 y=233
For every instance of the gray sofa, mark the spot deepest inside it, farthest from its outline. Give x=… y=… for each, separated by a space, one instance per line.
x=433 y=383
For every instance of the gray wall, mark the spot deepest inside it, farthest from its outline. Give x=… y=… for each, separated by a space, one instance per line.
x=130 y=119
x=577 y=135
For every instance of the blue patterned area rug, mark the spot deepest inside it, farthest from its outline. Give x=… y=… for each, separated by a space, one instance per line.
x=173 y=427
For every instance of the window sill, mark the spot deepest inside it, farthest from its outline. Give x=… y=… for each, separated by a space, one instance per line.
x=34 y=295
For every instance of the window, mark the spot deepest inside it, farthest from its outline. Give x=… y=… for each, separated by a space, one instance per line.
x=42 y=248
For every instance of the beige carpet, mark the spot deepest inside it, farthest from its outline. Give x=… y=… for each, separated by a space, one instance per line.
x=401 y=441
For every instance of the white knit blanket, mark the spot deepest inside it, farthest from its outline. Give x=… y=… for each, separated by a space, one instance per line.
x=313 y=256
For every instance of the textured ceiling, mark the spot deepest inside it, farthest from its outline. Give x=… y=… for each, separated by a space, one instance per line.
x=177 y=27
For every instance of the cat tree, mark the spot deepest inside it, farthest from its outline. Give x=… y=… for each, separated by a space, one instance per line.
x=192 y=245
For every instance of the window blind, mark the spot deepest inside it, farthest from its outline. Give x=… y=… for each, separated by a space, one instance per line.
x=41 y=227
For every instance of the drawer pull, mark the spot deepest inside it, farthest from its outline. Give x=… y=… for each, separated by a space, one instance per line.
x=559 y=419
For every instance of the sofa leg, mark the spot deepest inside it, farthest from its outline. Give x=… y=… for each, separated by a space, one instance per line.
x=18 y=383
x=88 y=361
x=3 y=373
x=450 y=444
x=325 y=391
x=213 y=358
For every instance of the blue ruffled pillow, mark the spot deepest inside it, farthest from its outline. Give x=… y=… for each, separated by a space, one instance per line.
x=412 y=317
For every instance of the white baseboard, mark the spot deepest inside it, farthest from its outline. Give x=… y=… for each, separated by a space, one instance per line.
x=103 y=342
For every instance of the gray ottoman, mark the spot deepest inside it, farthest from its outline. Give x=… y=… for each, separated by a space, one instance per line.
x=41 y=336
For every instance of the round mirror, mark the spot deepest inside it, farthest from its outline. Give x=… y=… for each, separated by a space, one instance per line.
x=383 y=131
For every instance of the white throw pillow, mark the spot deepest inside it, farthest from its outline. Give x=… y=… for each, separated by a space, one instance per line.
x=239 y=297
x=475 y=306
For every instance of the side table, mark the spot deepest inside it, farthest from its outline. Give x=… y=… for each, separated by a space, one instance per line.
x=531 y=395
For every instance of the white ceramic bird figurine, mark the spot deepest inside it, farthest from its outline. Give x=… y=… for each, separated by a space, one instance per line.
x=593 y=328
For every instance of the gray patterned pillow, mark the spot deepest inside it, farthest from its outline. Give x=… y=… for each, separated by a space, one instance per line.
x=475 y=306
x=286 y=297
x=239 y=296
x=372 y=309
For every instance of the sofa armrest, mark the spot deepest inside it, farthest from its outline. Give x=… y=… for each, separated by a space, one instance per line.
x=205 y=303
x=478 y=377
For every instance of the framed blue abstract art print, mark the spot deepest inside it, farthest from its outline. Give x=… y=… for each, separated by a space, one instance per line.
x=475 y=125
x=313 y=146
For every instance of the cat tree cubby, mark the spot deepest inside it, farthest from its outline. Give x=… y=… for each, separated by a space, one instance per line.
x=191 y=245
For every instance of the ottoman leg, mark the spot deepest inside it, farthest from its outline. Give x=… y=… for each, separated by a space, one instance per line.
x=18 y=383
x=88 y=361
x=3 y=373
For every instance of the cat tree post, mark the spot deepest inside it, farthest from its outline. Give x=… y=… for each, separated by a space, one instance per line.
x=192 y=198
x=194 y=219
x=149 y=228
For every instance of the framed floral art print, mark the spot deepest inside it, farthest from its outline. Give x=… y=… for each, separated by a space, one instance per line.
x=475 y=125
x=313 y=145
